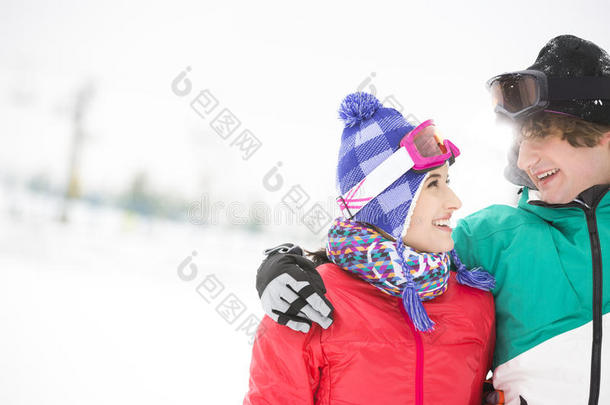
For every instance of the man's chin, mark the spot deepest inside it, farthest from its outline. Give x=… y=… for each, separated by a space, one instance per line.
x=554 y=198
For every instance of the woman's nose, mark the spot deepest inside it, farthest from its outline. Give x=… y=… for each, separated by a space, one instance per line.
x=454 y=203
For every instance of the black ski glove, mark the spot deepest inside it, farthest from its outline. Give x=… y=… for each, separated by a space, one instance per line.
x=291 y=290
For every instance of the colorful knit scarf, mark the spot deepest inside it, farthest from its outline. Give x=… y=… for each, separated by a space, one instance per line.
x=397 y=269
x=367 y=253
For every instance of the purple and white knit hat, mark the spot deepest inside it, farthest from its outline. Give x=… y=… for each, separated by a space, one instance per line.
x=372 y=134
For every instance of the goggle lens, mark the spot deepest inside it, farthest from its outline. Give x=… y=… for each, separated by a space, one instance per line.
x=515 y=93
x=428 y=142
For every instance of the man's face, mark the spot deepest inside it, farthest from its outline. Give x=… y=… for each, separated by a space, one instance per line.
x=561 y=171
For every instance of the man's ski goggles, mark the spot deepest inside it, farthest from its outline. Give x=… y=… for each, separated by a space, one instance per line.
x=421 y=150
x=520 y=94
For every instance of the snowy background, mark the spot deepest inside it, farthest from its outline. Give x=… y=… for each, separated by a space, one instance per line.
x=129 y=225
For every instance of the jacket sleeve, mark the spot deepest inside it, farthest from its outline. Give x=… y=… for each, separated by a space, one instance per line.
x=473 y=246
x=286 y=365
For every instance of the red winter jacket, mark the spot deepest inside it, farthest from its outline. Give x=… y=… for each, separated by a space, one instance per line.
x=372 y=354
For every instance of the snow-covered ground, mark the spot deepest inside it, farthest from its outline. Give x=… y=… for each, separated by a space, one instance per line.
x=95 y=312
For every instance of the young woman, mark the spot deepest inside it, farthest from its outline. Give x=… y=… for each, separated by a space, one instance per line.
x=407 y=330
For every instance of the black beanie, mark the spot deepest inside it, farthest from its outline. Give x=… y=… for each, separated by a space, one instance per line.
x=570 y=56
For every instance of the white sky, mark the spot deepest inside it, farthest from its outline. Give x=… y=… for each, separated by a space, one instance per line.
x=282 y=69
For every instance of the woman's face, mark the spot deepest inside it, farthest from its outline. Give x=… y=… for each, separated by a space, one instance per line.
x=429 y=229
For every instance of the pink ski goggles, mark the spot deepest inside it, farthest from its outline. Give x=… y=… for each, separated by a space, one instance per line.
x=427 y=148
x=422 y=150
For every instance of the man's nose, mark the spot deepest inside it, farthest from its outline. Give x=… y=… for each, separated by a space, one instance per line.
x=527 y=155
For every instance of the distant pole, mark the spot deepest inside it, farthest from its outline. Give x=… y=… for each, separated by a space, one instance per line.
x=81 y=107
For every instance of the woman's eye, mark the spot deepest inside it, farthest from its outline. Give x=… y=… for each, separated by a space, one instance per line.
x=433 y=183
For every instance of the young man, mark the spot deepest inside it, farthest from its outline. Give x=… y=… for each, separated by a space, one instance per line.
x=550 y=254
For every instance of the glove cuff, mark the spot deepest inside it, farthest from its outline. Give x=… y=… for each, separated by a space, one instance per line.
x=284 y=248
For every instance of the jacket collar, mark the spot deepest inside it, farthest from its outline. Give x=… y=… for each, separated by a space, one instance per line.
x=590 y=198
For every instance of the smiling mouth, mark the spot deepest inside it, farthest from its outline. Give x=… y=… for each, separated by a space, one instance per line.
x=547 y=174
x=544 y=177
x=443 y=224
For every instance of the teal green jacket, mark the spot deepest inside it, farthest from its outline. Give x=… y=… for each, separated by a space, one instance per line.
x=552 y=268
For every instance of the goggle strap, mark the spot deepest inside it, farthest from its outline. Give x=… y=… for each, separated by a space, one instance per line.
x=579 y=88
x=375 y=182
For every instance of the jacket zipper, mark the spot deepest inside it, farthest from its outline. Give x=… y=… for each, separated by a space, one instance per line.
x=596 y=350
x=419 y=358
x=596 y=256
